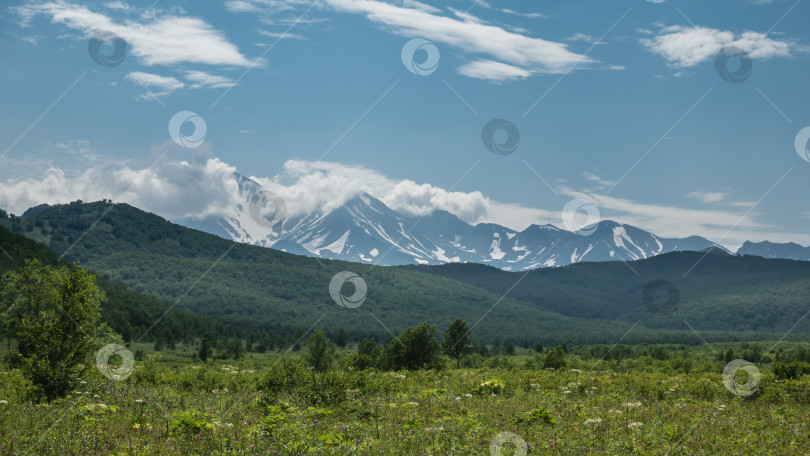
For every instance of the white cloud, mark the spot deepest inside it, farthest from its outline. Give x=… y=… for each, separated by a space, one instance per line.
x=493 y=71
x=420 y=6
x=158 y=86
x=497 y=54
x=684 y=47
x=581 y=37
x=469 y=34
x=163 y=85
x=165 y=40
x=601 y=184
x=269 y=6
x=202 y=79
x=529 y=15
x=181 y=189
x=282 y=35
x=708 y=197
x=171 y=189
x=118 y=5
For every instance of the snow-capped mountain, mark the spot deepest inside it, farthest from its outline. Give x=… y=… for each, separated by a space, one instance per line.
x=790 y=250
x=366 y=230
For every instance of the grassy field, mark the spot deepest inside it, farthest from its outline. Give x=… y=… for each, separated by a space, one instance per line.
x=266 y=405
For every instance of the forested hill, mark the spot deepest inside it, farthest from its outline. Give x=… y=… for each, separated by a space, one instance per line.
x=261 y=289
x=128 y=313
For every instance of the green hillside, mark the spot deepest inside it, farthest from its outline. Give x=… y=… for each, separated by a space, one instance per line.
x=263 y=290
x=129 y=313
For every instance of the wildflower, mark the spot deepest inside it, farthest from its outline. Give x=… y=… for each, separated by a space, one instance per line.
x=593 y=421
x=576 y=370
x=567 y=392
x=136 y=426
x=634 y=425
x=433 y=430
x=3 y=401
x=632 y=404
x=615 y=412
x=139 y=401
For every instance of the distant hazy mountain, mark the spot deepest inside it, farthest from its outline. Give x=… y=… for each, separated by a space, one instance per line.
x=790 y=251
x=367 y=231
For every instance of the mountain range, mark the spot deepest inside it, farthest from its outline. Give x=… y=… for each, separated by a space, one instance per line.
x=663 y=298
x=365 y=230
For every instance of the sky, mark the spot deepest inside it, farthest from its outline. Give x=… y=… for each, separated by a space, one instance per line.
x=676 y=116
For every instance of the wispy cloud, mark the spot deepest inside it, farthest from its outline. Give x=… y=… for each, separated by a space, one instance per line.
x=528 y=15
x=201 y=79
x=162 y=85
x=166 y=39
x=684 y=47
x=282 y=35
x=516 y=55
x=708 y=197
x=159 y=86
x=601 y=184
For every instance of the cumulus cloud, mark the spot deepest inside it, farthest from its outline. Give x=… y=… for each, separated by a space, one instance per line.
x=323 y=186
x=684 y=47
x=171 y=189
x=209 y=188
x=165 y=40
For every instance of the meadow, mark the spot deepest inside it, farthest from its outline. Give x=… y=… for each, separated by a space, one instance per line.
x=273 y=404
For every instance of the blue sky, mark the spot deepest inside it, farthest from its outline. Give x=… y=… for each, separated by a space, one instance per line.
x=618 y=103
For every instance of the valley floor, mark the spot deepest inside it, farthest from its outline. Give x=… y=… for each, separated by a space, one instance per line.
x=286 y=409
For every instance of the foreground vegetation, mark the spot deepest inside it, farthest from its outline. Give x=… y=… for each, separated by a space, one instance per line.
x=69 y=386
x=280 y=405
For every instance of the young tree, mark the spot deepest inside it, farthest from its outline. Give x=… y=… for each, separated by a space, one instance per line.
x=416 y=348
x=457 y=340
x=367 y=354
x=555 y=359
x=207 y=346
x=320 y=352
x=53 y=314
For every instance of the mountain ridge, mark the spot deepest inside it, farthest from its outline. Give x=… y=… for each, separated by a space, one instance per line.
x=365 y=230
